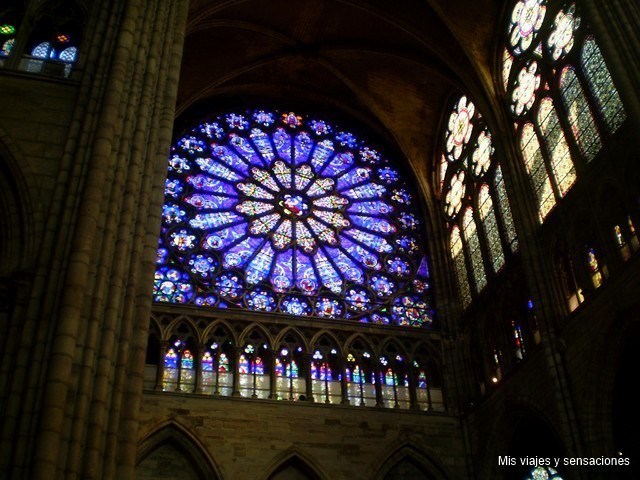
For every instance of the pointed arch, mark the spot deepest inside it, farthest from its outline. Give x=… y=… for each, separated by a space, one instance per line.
x=413 y=461
x=298 y=460
x=183 y=443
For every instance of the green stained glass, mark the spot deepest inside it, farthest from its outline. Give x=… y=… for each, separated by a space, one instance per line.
x=537 y=172
x=601 y=85
x=457 y=255
x=470 y=231
x=582 y=123
x=505 y=210
x=490 y=224
x=564 y=172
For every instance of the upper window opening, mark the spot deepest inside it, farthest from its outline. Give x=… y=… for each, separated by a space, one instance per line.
x=475 y=201
x=560 y=94
x=278 y=212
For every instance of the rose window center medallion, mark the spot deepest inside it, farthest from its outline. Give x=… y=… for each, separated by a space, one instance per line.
x=284 y=213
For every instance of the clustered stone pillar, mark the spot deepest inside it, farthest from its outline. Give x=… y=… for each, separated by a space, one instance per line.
x=85 y=327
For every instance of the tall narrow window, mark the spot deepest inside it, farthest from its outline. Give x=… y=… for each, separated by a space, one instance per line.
x=559 y=92
x=479 y=218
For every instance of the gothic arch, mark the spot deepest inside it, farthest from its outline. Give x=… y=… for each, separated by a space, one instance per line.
x=295 y=458
x=16 y=207
x=405 y=455
x=184 y=441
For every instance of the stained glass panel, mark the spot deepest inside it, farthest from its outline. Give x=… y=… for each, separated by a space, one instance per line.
x=561 y=38
x=265 y=207
x=601 y=85
x=457 y=255
x=579 y=115
x=504 y=207
x=526 y=19
x=526 y=85
x=459 y=127
x=507 y=63
x=490 y=224
x=470 y=232
x=564 y=172
x=537 y=171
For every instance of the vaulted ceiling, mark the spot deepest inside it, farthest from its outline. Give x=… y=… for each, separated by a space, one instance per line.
x=390 y=65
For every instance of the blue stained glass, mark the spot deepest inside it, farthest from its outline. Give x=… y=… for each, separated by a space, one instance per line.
x=237 y=121
x=347 y=139
x=282 y=275
x=259 y=268
x=358 y=299
x=228 y=285
x=182 y=240
x=320 y=127
x=321 y=154
x=412 y=311
x=202 y=182
x=398 y=266
x=369 y=155
x=330 y=277
x=388 y=175
x=173 y=214
x=221 y=239
x=173 y=188
x=205 y=201
x=353 y=177
x=306 y=279
x=212 y=130
x=371 y=208
x=407 y=244
x=265 y=118
x=192 y=145
x=178 y=164
x=161 y=256
x=262 y=142
x=236 y=256
x=207 y=221
x=202 y=266
x=171 y=359
x=171 y=285
x=374 y=224
x=261 y=300
x=282 y=141
x=296 y=306
x=306 y=235
x=408 y=221
x=328 y=307
x=225 y=157
x=383 y=286
x=347 y=266
x=366 y=191
x=401 y=196
x=303 y=145
x=206 y=301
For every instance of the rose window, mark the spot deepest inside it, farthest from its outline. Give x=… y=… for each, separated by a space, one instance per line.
x=526 y=20
x=277 y=212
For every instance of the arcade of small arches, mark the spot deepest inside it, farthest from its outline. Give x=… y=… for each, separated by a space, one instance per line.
x=227 y=357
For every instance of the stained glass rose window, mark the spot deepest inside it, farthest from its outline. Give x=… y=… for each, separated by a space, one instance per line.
x=279 y=212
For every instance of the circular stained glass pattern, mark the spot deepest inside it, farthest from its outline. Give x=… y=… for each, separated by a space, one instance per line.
x=459 y=128
x=526 y=20
x=524 y=93
x=279 y=212
x=561 y=38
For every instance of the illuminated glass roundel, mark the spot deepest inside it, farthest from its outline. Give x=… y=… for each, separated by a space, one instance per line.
x=274 y=212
